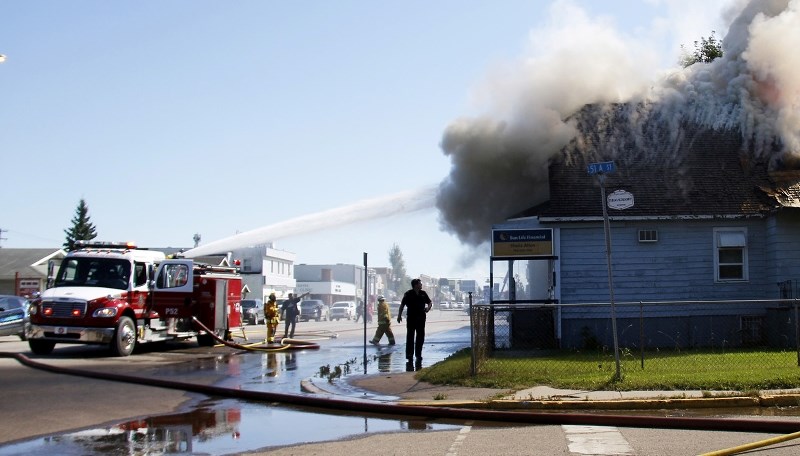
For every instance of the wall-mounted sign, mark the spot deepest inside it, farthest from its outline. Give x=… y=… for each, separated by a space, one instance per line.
x=522 y=242
x=620 y=199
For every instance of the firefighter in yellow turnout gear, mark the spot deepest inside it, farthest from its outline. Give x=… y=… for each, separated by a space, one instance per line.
x=384 y=323
x=272 y=316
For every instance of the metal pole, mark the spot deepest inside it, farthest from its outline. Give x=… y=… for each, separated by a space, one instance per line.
x=641 y=332
x=364 y=312
x=607 y=229
x=796 y=332
x=471 y=337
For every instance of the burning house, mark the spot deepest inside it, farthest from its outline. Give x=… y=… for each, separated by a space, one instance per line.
x=707 y=162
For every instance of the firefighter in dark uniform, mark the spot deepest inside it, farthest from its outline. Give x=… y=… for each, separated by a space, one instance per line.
x=418 y=304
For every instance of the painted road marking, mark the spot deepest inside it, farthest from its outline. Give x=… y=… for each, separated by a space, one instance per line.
x=462 y=435
x=596 y=440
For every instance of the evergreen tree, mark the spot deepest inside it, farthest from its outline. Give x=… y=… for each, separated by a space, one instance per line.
x=398 y=268
x=82 y=228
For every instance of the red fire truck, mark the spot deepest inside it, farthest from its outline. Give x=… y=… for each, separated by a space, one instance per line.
x=121 y=295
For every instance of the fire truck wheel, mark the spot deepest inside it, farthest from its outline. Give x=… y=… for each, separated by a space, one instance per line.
x=41 y=347
x=124 y=337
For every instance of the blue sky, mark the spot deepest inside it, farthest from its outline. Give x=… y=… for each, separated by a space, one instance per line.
x=182 y=117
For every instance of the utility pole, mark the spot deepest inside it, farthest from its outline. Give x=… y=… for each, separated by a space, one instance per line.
x=1 y=236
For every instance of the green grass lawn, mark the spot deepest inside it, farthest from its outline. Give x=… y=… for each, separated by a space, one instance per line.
x=742 y=370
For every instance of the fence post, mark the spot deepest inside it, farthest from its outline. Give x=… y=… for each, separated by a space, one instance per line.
x=641 y=332
x=472 y=367
x=796 y=333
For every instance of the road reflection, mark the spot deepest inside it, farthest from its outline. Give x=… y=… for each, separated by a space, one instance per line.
x=217 y=427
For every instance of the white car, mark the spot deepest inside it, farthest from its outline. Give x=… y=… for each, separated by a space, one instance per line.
x=343 y=309
x=444 y=305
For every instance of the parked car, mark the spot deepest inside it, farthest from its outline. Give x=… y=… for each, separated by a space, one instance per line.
x=314 y=309
x=459 y=305
x=253 y=311
x=444 y=305
x=13 y=316
x=343 y=309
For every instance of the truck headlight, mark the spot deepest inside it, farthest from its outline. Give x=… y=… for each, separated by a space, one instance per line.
x=105 y=312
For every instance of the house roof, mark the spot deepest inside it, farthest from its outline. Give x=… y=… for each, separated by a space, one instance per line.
x=702 y=173
x=28 y=263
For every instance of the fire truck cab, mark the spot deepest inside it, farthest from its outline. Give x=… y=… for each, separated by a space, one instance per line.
x=120 y=295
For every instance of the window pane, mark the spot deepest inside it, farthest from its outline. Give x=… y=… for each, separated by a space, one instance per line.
x=731 y=239
x=731 y=256
x=731 y=272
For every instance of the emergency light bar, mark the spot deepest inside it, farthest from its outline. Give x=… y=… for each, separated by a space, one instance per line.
x=106 y=245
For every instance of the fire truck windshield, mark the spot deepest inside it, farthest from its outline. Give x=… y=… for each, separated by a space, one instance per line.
x=94 y=272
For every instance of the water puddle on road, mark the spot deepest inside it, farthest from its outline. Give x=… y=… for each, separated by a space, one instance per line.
x=216 y=427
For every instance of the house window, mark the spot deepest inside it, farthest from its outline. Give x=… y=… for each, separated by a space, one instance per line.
x=730 y=261
x=648 y=236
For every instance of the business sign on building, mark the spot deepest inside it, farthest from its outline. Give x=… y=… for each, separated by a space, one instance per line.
x=522 y=242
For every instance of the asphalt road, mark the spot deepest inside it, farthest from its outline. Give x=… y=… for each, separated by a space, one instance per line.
x=38 y=404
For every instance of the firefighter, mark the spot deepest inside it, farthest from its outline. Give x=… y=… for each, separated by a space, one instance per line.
x=272 y=316
x=384 y=323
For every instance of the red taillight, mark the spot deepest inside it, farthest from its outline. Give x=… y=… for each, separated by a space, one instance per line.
x=47 y=311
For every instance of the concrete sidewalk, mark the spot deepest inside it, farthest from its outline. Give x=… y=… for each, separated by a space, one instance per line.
x=405 y=389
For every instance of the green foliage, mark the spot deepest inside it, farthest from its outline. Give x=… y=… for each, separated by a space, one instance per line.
x=742 y=370
x=337 y=371
x=398 y=268
x=82 y=228
x=706 y=50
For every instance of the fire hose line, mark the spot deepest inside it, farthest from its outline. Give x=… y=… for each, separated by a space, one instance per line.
x=753 y=445
x=427 y=411
x=286 y=344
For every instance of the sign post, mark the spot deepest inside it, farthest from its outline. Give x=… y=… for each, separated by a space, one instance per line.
x=601 y=169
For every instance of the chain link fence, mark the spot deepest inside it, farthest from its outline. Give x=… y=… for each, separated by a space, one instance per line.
x=561 y=343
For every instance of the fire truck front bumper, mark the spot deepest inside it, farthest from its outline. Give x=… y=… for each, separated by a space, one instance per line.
x=71 y=334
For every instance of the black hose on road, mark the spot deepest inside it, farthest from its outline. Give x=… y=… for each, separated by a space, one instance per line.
x=343 y=405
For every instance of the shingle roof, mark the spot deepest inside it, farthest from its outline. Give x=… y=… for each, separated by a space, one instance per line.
x=703 y=172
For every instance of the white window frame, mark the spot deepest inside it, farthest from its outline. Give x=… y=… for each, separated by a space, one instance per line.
x=647 y=236
x=731 y=238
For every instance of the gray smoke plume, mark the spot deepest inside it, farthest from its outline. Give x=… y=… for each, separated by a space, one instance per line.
x=591 y=96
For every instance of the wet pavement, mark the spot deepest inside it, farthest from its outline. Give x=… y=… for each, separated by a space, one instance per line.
x=229 y=426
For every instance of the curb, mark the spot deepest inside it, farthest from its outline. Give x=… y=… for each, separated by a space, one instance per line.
x=783 y=400
x=618 y=404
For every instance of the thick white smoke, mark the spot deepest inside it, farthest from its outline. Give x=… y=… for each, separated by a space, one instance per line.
x=499 y=160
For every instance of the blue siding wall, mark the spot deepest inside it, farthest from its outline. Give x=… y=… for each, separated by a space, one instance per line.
x=680 y=266
x=783 y=247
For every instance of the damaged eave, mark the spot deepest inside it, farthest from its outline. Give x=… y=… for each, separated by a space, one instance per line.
x=623 y=218
x=783 y=197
